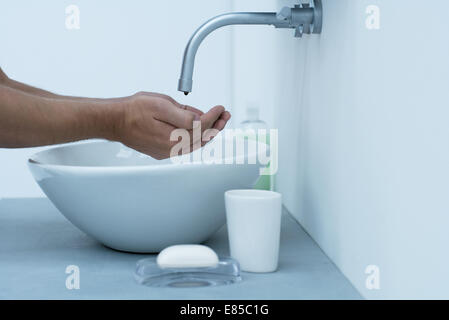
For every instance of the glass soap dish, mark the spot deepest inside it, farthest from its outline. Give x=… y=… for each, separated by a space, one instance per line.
x=148 y=273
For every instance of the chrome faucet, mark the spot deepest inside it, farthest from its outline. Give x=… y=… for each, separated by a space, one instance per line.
x=304 y=18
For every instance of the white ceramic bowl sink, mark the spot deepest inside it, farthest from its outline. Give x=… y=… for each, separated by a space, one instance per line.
x=132 y=202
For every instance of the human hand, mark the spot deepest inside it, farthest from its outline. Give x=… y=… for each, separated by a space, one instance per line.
x=147 y=120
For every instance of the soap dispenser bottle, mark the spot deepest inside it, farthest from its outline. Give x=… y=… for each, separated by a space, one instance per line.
x=253 y=122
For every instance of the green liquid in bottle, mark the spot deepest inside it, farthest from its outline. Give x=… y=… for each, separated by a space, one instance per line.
x=265 y=182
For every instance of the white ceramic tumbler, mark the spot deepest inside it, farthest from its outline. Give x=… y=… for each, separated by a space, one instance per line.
x=254 y=227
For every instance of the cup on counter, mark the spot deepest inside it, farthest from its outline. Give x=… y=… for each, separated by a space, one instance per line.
x=254 y=227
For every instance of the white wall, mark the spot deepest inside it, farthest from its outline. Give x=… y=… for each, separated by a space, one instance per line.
x=365 y=135
x=121 y=48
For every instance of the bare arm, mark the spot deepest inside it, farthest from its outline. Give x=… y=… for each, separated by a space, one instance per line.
x=5 y=80
x=27 y=120
x=33 y=117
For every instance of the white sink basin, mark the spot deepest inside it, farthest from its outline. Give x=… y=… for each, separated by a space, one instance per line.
x=132 y=202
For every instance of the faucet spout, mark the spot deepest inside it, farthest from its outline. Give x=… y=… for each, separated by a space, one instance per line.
x=303 y=18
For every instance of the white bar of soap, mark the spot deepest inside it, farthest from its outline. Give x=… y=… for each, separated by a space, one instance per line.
x=187 y=256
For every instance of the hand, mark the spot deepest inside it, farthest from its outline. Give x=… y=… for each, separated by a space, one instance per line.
x=147 y=120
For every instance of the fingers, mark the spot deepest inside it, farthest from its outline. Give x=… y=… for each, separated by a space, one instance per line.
x=182 y=116
x=166 y=143
x=167 y=138
x=208 y=119
x=192 y=109
x=214 y=119
x=222 y=121
x=172 y=112
x=217 y=125
x=178 y=117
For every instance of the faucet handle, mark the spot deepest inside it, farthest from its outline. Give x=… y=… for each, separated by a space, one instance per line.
x=284 y=14
x=302 y=17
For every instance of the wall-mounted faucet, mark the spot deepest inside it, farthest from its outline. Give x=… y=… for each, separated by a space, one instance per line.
x=304 y=18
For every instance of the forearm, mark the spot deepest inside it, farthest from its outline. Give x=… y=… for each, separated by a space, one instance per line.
x=28 y=120
x=6 y=81
x=29 y=89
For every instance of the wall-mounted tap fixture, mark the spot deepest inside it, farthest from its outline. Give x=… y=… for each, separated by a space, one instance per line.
x=304 y=18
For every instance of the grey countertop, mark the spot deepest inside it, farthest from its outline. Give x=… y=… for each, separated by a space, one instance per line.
x=37 y=244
